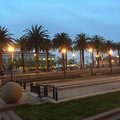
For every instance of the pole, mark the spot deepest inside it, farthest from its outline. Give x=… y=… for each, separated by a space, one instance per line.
x=92 y=62
x=110 y=63
x=64 y=64
x=11 y=67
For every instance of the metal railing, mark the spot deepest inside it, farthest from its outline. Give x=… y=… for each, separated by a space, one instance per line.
x=43 y=90
x=21 y=83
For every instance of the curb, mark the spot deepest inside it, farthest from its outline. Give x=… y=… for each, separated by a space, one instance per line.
x=105 y=116
x=10 y=115
x=85 y=96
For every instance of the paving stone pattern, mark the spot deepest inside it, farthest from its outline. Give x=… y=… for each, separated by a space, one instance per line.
x=31 y=98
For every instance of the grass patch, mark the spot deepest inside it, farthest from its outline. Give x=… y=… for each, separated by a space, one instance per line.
x=73 y=110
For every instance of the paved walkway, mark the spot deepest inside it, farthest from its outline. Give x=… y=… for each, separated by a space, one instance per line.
x=31 y=98
x=66 y=94
x=27 y=98
x=80 y=92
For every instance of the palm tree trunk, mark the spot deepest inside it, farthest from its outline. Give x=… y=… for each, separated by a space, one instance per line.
x=80 y=59
x=23 y=63
x=37 y=63
x=98 y=63
x=109 y=60
x=119 y=57
x=63 y=64
x=47 y=63
x=66 y=60
x=0 y=59
x=92 y=59
x=102 y=59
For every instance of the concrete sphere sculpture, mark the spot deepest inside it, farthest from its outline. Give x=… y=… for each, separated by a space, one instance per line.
x=11 y=92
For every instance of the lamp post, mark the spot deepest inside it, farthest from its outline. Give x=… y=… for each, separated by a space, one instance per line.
x=11 y=50
x=63 y=52
x=97 y=58
x=118 y=57
x=35 y=58
x=34 y=54
x=92 y=59
x=110 y=55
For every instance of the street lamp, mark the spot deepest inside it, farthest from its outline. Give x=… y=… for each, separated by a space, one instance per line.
x=97 y=58
x=11 y=50
x=34 y=54
x=35 y=64
x=110 y=54
x=118 y=57
x=91 y=51
x=64 y=51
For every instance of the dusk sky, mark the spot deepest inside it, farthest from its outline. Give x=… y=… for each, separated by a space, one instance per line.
x=93 y=17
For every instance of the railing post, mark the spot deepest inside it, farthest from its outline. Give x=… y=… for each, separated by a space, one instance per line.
x=46 y=91
x=24 y=85
x=53 y=87
x=31 y=85
x=56 y=93
x=38 y=89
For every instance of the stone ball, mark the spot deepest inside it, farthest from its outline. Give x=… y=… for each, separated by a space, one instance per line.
x=0 y=83
x=11 y=92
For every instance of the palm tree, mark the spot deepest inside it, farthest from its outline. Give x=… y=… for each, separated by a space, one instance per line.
x=35 y=38
x=80 y=44
x=47 y=45
x=97 y=42
x=117 y=47
x=62 y=41
x=107 y=47
x=22 y=45
x=5 y=42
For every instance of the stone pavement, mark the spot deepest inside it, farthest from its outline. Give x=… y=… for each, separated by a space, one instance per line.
x=63 y=95
x=27 y=98
x=31 y=98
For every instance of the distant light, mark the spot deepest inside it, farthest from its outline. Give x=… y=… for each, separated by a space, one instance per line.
x=63 y=50
x=10 y=49
x=97 y=56
x=110 y=52
x=90 y=50
x=73 y=55
x=35 y=55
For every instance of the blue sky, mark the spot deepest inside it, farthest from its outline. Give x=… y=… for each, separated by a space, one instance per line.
x=93 y=17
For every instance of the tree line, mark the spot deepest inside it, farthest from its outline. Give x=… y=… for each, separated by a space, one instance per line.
x=37 y=39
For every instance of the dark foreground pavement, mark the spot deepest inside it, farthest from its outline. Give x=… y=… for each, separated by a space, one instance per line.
x=66 y=95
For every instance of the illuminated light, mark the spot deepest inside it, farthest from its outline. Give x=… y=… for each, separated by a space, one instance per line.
x=90 y=50
x=10 y=49
x=110 y=52
x=73 y=55
x=97 y=56
x=35 y=55
x=63 y=50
